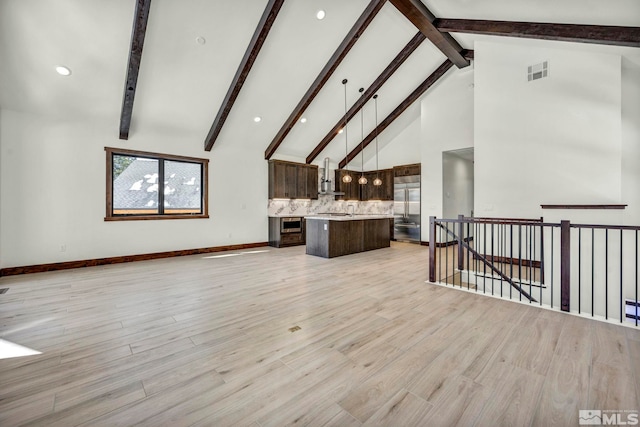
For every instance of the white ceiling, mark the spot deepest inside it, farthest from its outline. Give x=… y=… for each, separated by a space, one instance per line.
x=182 y=83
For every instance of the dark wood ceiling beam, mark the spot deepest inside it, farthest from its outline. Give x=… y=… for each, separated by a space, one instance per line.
x=416 y=12
x=597 y=34
x=371 y=90
x=349 y=41
x=133 y=67
x=259 y=36
x=415 y=95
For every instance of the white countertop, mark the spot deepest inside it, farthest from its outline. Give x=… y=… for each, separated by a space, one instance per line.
x=355 y=217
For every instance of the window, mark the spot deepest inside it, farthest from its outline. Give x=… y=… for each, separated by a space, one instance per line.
x=144 y=185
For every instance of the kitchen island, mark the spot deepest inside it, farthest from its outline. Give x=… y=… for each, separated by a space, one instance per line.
x=334 y=235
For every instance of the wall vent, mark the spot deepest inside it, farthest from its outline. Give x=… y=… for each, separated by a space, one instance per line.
x=538 y=71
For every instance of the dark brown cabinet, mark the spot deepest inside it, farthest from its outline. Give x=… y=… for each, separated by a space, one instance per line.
x=280 y=237
x=407 y=170
x=355 y=191
x=307 y=182
x=288 y=180
x=329 y=239
x=378 y=192
x=351 y=189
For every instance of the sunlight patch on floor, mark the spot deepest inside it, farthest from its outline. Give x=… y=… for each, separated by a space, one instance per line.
x=9 y=349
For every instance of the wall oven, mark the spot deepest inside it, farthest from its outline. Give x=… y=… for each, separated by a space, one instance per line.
x=291 y=225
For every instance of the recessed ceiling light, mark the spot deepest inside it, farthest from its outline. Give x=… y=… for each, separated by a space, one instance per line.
x=201 y=40
x=257 y=119
x=341 y=130
x=63 y=71
x=303 y=120
x=320 y=14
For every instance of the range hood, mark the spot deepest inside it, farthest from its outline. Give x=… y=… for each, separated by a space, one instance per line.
x=325 y=183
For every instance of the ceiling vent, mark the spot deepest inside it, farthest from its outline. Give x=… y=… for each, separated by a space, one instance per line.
x=538 y=71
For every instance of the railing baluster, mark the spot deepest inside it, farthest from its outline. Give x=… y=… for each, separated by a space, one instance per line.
x=606 y=273
x=446 y=249
x=475 y=260
x=501 y=254
x=593 y=258
x=552 y=270
x=530 y=237
x=520 y=256
x=621 y=294
x=468 y=224
x=484 y=254
x=493 y=257
x=440 y=257
x=579 y=269
x=636 y=301
x=541 y=281
x=542 y=251
x=511 y=259
x=432 y=249
x=565 y=265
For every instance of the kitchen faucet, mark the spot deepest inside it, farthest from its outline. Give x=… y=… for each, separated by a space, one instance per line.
x=353 y=209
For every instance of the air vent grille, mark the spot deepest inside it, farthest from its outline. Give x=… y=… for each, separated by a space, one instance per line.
x=538 y=71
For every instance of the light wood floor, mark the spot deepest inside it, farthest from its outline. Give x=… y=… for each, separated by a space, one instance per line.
x=281 y=338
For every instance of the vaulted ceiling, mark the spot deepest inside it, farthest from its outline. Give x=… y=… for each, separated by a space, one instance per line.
x=193 y=48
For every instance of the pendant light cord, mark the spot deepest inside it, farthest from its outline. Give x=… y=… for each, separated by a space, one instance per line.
x=362 y=136
x=346 y=139
x=375 y=102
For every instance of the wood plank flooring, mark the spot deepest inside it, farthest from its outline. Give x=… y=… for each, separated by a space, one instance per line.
x=212 y=341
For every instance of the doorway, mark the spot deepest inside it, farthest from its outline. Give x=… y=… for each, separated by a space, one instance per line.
x=457 y=183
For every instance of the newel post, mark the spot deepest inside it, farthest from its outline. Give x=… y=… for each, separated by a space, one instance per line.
x=460 y=241
x=565 y=265
x=432 y=249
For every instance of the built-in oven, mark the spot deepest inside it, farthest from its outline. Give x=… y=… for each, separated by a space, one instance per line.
x=291 y=225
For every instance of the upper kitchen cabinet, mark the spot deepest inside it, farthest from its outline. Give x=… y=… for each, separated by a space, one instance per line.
x=307 y=182
x=289 y=180
x=407 y=170
x=378 y=192
x=351 y=189
x=355 y=191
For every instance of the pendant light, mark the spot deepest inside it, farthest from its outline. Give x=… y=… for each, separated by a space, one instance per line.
x=346 y=178
x=377 y=182
x=362 y=180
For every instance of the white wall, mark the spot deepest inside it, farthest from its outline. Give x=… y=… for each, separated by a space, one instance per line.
x=446 y=124
x=551 y=141
x=52 y=192
x=403 y=149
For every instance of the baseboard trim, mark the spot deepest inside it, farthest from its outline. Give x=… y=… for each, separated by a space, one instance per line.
x=41 y=268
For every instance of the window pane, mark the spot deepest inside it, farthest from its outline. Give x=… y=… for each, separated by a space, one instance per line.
x=182 y=187
x=135 y=185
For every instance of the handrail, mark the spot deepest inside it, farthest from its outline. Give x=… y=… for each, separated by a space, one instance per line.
x=487 y=263
x=471 y=220
x=508 y=220
x=607 y=227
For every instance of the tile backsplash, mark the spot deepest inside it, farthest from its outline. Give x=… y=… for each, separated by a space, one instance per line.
x=326 y=204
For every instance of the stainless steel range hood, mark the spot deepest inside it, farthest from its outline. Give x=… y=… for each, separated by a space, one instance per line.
x=325 y=183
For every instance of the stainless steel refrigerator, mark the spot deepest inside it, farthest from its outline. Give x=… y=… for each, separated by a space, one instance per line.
x=406 y=208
